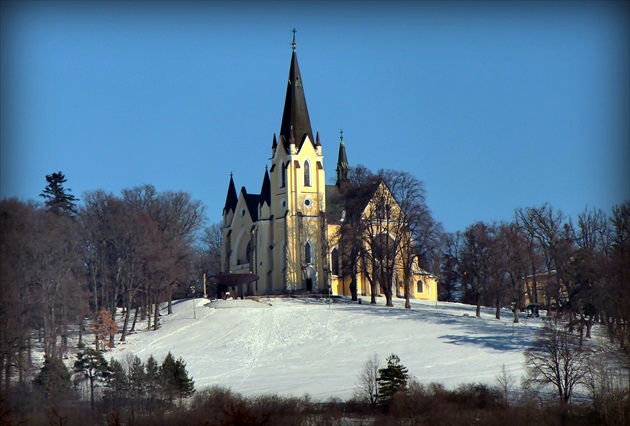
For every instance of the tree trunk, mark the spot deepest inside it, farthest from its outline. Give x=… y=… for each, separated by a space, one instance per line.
x=497 y=312
x=126 y=322
x=156 y=313
x=149 y=313
x=81 y=320
x=516 y=312
x=135 y=319
x=170 y=299
x=478 y=310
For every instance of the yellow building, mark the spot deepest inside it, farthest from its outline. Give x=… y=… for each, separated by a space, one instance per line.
x=283 y=234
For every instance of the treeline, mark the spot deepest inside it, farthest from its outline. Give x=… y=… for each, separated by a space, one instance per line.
x=578 y=269
x=120 y=392
x=63 y=263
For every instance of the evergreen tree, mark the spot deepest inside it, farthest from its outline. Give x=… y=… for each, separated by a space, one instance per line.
x=391 y=379
x=175 y=380
x=54 y=379
x=59 y=200
x=152 y=379
x=137 y=382
x=117 y=383
x=93 y=366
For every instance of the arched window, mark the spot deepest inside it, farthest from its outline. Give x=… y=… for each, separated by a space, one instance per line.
x=307 y=253
x=307 y=173
x=283 y=176
x=335 y=261
x=420 y=286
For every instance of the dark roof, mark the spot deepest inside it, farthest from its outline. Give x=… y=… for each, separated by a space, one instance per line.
x=265 y=190
x=231 y=200
x=352 y=199
x=334 y=204
x=342 y=164
x=295 y=118
x=252 y=201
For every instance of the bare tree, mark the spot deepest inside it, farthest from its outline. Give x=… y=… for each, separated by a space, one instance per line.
x=450 y=271
x=556 y=360
x=476 y=261
x=418 y=233
x=548 y=227
x=367 y=382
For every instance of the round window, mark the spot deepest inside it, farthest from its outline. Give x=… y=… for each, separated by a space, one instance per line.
x=284 y=204
x=308 y=202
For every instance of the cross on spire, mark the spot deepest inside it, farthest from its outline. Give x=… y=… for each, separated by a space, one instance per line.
x=293 y=44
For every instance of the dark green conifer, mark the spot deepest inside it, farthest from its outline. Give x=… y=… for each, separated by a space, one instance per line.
x=391 y=379
x=59 y=200
x=93 y=366
x=54 y=379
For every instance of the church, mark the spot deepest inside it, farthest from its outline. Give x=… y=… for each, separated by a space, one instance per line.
x=286 y=235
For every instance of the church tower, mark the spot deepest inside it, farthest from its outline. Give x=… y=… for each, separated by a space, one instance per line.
x=298 y=201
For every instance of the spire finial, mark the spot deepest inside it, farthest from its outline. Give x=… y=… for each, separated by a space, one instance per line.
x=341 y=135
x=293 y=44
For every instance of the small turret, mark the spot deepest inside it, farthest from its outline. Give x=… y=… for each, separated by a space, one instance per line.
x=231 y=199
x=342 y=163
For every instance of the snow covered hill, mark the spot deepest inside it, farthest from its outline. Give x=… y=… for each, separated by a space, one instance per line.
x=293 y=346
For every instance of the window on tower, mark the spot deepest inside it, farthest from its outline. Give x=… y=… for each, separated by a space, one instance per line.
x=307 y=173
x=307 y=253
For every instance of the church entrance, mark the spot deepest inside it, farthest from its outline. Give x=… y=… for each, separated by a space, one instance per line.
x=310 y=278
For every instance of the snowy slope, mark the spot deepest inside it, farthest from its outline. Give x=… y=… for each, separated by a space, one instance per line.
x=297 y=346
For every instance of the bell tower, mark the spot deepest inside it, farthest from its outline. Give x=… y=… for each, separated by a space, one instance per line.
x=298 y=198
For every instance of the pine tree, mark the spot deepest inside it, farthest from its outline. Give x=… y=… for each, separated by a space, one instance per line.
x=117 y=383
x=175 y=380
x=391 y=379
x=93 y=366
x=54 y=379
x=59 y=200
x=152 y=379
x=137 y=381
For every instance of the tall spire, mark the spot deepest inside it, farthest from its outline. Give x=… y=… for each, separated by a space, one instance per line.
x=232 y=199
x=265 y=190
x=342 y=162
x=295 y=115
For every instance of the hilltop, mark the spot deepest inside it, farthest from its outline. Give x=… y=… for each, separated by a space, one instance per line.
x=294 y=346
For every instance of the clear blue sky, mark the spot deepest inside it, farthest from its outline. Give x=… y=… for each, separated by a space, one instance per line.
x=493 y=106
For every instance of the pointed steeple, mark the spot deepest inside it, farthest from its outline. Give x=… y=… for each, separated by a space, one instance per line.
x=231 y=200
x=295 y=113
x=342 y=162
x=265 y=190
x=274 y=144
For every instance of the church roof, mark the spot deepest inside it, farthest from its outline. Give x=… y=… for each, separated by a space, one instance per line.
x=295 y=118
x=231 y=200
x=252 y=201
